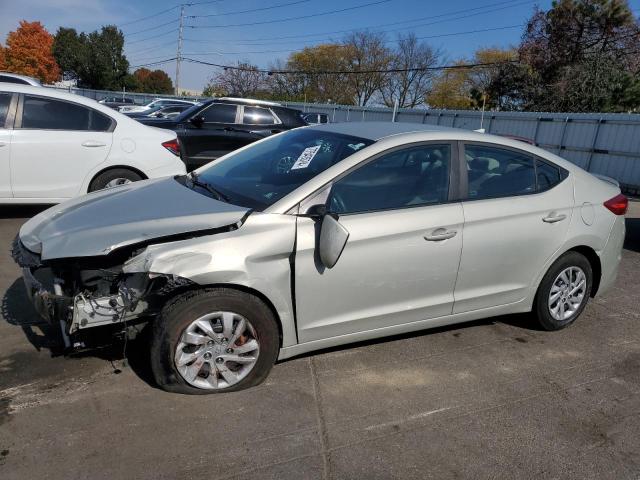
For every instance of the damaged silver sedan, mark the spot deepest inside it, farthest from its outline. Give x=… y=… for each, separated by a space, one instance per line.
x=322 y=236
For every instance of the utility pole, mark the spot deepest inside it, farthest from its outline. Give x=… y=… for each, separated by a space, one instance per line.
x=179 y=52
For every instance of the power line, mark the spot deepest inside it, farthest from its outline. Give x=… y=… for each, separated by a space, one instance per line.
x=150 y=28
x=503 y=4
x=154 y=47
x=151 y=38
x=315 y=42
x=281 y=20
x=148 y=17
x=349 y=72
x=152 y=64
x=253 y=10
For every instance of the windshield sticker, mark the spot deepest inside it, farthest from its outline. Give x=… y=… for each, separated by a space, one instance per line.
x=305 y=157
x=357 y=146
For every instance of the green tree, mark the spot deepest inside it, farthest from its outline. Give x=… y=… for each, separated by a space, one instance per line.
x=581 y=51
x=96 y=59
x=69 y=50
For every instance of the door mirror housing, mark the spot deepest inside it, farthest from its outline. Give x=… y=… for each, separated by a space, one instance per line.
x=197 y=121
x=333 y=238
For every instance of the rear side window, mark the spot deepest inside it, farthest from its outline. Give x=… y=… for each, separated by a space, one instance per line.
x=405 y=178
x=50 y=114
x=496 y=172
x=548 y=176
x=257 y=116
x=5 y=100
x=220 y=113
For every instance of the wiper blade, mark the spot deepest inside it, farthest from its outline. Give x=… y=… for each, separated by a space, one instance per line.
x=215 y=193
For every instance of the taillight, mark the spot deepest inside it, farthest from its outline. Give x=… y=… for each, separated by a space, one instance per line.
x=617 y=205
x=173 y=146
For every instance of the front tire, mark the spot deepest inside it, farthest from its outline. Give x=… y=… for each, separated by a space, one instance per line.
x=564 y=291
x=213 y=340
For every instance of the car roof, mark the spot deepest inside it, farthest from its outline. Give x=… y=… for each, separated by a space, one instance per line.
x=31 y=80
x=53 y=93
x=378 y=130
x=250 y=101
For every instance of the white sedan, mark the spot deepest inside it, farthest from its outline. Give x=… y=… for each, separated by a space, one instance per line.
x=56 y=145
x=158 y=102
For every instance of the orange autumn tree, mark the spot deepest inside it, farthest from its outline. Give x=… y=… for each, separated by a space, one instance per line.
x=29 y=52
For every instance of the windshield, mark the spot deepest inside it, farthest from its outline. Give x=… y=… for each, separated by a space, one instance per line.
x=265 y=172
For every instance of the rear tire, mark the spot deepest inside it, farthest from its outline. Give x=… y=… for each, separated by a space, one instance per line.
x=179 y=320
x=114 y=177
x=564 y=291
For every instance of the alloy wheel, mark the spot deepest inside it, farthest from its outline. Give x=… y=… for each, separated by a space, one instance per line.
x=567 y=293
x=217 y=350
x=116 y=182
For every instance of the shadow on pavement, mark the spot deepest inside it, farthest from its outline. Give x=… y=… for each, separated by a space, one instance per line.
x=632 y=238
x=21 y=211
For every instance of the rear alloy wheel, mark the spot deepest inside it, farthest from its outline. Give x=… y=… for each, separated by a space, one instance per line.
x=113 y=178
x=213 y=340
x=564 y=291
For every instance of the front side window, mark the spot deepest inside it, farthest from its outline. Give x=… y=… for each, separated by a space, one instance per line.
x=257 y=116
x=496 y=172
x=50 y=114
x=5 y=101
x=263 y=173
x=220 y=113
x=404 y=178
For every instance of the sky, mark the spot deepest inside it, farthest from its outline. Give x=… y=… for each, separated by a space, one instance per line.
x=261 y=31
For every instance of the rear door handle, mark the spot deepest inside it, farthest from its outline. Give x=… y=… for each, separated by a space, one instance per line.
x=440 y=234
x=93 y=144
x=553 y=218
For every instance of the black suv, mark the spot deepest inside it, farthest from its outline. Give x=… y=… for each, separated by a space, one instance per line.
x=216 y=127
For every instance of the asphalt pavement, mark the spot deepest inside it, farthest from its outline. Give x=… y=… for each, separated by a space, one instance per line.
x=489 y=399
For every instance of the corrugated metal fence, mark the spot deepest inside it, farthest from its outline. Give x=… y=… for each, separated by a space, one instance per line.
x=608 y=144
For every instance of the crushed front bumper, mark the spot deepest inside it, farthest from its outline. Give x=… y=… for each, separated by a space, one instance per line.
x=50 y=306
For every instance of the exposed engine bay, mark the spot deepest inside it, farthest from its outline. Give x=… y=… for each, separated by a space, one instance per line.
x=81 y=293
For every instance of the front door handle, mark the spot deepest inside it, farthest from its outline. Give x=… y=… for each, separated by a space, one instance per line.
x=93 y=144
x=440 y=234
x=553 y=218
x=2 y=144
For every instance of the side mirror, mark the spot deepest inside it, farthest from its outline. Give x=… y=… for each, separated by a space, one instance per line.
x=333 y=238
x=197 y=121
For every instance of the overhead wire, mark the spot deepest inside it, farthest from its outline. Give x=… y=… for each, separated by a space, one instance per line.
x=348 y=72
x=253 y=10
x=503 y=5
x=288 y=19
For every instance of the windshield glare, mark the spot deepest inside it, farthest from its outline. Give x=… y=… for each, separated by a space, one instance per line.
x=267 y=171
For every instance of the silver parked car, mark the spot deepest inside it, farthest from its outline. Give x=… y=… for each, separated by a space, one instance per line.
x=321 y=236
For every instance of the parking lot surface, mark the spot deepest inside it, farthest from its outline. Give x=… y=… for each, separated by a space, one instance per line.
x=490 y=399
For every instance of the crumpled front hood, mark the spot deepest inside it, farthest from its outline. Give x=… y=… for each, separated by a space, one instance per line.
x=101 y=222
